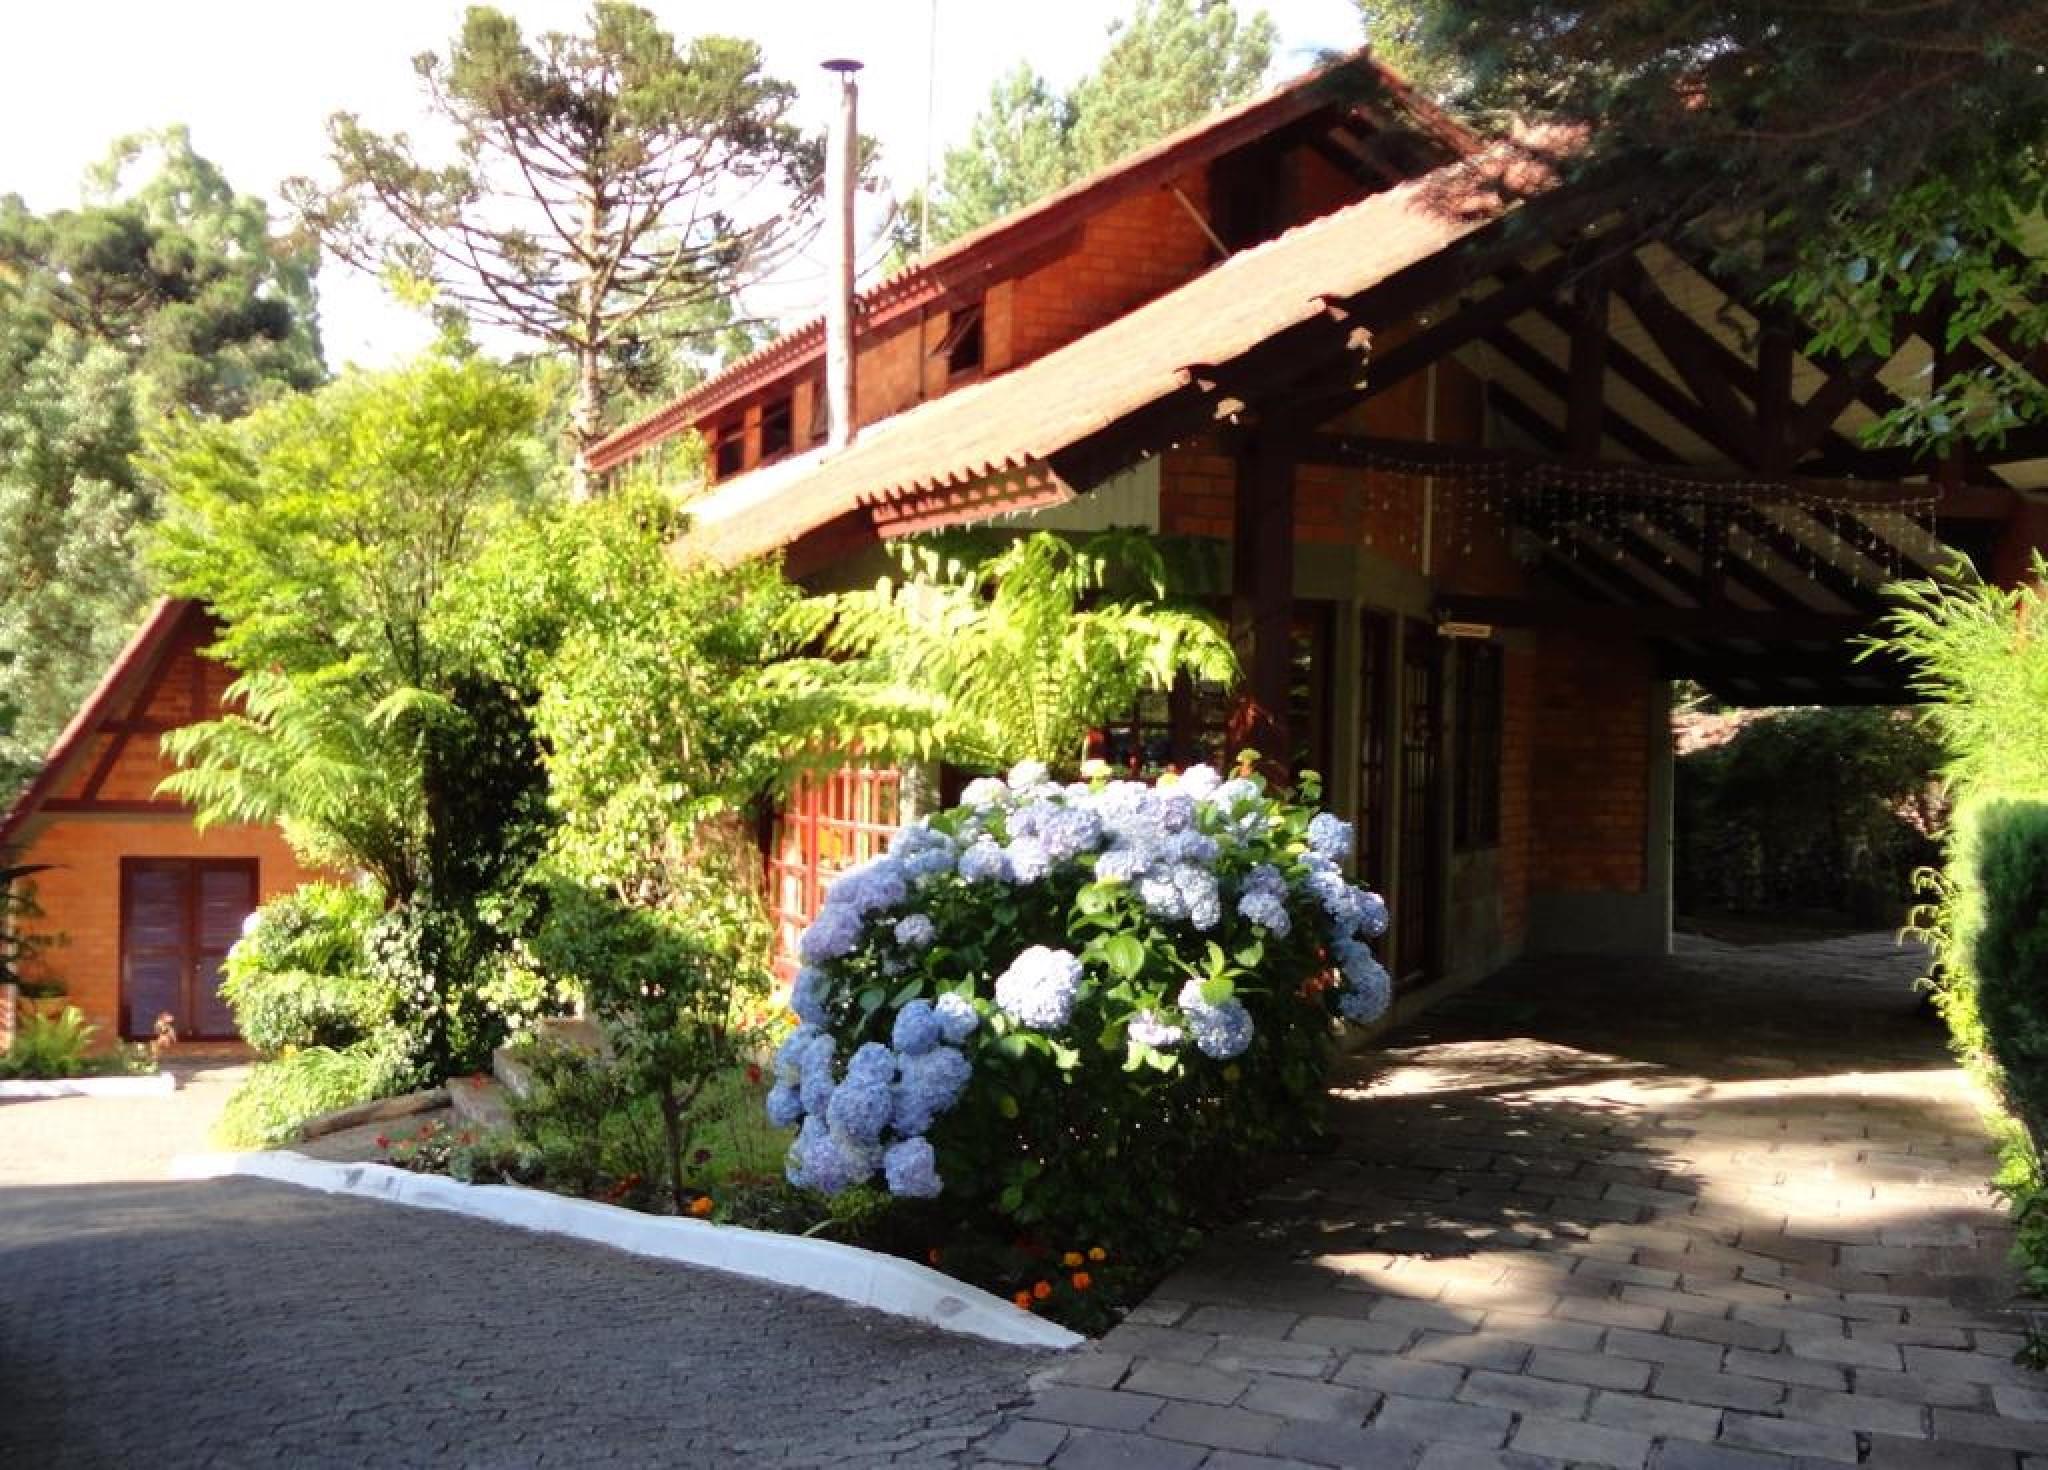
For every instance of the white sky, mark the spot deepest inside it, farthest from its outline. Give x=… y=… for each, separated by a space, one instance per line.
x=256 y=79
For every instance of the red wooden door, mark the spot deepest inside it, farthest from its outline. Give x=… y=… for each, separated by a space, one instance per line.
x=178 y=918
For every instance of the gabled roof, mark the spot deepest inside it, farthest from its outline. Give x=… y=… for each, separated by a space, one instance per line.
x=979 y=258
x=124 y=677
x=998 y=439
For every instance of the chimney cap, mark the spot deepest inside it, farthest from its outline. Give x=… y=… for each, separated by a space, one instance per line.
x=846 y=66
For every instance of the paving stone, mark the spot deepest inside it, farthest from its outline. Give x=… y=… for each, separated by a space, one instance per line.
x=1091 y=1369
x=1720 y=1389
x=1967 y=1367
x=1525 y=1395
x=1785 y=1368
x=1185 y=1381
x=1349 y=1333
x=1951 y=1393
x=1342 y=1445
x=1268 y=1355
x=1889 y=1452
x=1024 y=1442
x=1168 y=1343
x=2020 y=1403
x=1789 y=1437
x=1658 y=1418
x=1855 y=1411
x=1547 y=1332
x=1293 y=1398
x=1240 y=1321
x=1656 y=1347
x=1725 y=1330
x=1429 y=1316
x=1400 y=1375
x=1095 y=1449
x=1215 y=1426
x=1473 y=1350
x=1612 y=1313
x=1093 y=1408
x=1434 y=1419
x=1684 y=1454
x=1238 y=1460
x=1598 y=1370
x=1581 y=1443
x=1472 y=1457
x=1857 y=1352
x=1989 y=1429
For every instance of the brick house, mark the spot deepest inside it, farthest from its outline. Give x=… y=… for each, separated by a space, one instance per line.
x=1475 y=475
x=140 y=904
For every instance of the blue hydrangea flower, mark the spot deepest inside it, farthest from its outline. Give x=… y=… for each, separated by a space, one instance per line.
x=785 y=1107
x=1039 y=988
x=1067 y=832
x=828 y=1162
x=1372 y=914
x=1221 y=1032
x=861 y=1106
x=957 y=1016
x=984 y=862
x=1267 y=910
x=926 y=1086
x=1029 y=861
x=1162 y=897
x=984 y=791
x=876 y=884
x=912 y=1170
x=807 y=996
x=789 y=1057
x=1237 y=789
x=916 y=931
x=1199 y=781
x=873 y=1062
x=917 y=1029
x=816 y=1084
x=832 y=934
x=1198 y=889
x=1119 y=865
x=1330 y=836
x=1150 y=1028
x=1176 y=811
x=1027 y=774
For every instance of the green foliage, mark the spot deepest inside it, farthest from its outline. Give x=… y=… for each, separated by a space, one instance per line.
x=300 y=975
x=1860 y=163
x=2008 y=954
x=17 y=902
x=323 y=530
x=670 y=1006
x=161 y=295
x=604 y=188
x=52 y=1043
x=1030 y=647
x=1169 y=63
x=1809 y=809
x=279 y=1095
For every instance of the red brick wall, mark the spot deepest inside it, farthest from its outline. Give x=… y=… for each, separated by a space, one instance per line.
x=1590 y=774
x=1130 y=253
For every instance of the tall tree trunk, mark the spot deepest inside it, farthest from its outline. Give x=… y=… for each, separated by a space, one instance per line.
x=587 y=422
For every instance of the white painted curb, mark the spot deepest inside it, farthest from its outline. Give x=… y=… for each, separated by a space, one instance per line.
x=155 y=1084
x=865 y=1278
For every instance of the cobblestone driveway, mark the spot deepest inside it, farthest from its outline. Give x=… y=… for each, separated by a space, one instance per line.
x=234 y=1323
x=1726 y=1211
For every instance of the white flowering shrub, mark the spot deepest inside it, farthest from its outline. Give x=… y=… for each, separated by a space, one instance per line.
x=1077 y=1006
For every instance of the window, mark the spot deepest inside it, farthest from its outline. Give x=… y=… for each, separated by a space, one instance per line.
x=1475 y=753
x=777 y=427
x=729 y=449
x=962 y=344
x=821 y=412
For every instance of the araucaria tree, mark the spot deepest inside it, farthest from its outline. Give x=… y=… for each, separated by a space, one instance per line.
x=601 y=183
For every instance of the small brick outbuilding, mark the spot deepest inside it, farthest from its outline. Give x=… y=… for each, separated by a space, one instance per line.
x=140 y=905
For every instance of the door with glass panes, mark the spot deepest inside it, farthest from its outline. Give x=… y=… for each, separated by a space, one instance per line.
x=178 y=918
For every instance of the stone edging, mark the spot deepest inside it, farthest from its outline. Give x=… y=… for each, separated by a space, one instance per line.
x=864 y=1278
x=154 y=1084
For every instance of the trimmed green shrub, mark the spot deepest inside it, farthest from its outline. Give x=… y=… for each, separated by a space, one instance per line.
x=299 y=976
x=2008 y=954
x=281 y=1094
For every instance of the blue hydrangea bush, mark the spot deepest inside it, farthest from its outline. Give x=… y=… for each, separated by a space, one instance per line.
x=1077 y=1007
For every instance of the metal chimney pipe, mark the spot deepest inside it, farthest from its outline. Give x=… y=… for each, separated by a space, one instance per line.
x=842 y=169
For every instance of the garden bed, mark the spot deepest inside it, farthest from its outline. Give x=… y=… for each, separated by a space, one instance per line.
x=865 y=1278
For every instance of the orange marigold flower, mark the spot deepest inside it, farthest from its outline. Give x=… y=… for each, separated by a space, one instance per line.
x=1097 y=1253
x=1071 y=1259
x=1082 y=1281
x=1023 y=1299
x=1042 y=1290
x=701 y=1206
